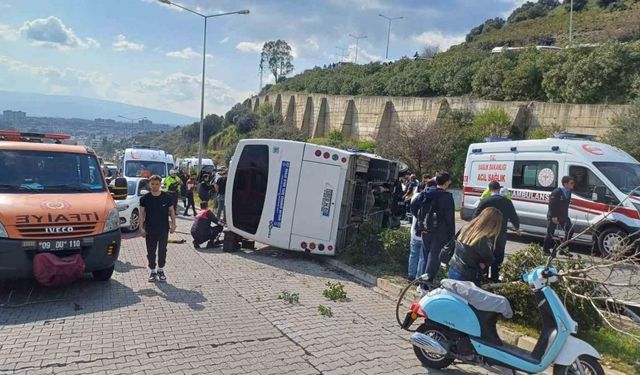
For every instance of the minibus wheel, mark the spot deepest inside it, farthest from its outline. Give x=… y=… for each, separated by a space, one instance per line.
x=612 y=240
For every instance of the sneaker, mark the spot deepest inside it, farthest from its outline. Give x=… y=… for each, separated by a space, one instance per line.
x=153 y=276
x=161 y=276
x=195 y=245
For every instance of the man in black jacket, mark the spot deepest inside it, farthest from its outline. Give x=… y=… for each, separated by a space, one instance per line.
x=505 y=206
x=437 y=216
x=558 y=212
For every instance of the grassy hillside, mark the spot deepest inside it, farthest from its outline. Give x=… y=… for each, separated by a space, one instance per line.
x=593 y=24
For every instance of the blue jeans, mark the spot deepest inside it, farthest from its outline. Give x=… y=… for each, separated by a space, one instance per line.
x=416 y=259
x=220 y=207
x=433 y=258
x=455 y=275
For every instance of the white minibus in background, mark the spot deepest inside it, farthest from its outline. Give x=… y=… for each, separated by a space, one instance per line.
x=606 y=177
x=207 y=164
x=141 y=161
x=170 y=162
x=305 y=197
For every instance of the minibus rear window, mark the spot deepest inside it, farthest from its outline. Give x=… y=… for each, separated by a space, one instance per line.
x=250 y=187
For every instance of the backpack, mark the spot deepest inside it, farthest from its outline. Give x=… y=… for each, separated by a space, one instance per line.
x=426 y=217
x=449 y=249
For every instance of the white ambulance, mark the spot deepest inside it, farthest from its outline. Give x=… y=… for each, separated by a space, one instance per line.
x=605 y=178
x=141 y=161
x=305 y=197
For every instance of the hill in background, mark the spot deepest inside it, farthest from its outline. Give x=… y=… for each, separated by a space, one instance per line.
x=602 y=65
x=85 y=108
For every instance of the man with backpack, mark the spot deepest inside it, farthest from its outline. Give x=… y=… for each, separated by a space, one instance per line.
x=505 y=206
x=436 y=221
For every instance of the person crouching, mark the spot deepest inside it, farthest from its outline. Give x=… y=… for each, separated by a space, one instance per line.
x=201 y=229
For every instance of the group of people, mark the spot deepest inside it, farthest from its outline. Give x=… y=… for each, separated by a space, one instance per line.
x=158 y=210
x=479 y=247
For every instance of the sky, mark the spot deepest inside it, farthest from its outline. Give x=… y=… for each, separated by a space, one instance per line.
x=146 y=53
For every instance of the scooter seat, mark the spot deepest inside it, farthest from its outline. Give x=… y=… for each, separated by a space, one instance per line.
x=479 y=298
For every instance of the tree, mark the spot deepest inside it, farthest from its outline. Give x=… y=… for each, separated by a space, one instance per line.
x=276 y=56
x=489 y=78
x=492 y=122
x=234 y=112
x=578 y=5
x=625 y=133
x=247 y=122
x=429 y=51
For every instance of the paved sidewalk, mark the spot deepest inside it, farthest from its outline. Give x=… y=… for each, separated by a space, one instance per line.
x=219 y=313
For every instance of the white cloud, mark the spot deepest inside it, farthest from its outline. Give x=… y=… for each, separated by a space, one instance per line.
x=8 y=33
x=122 y=44
x=61 y=81
x=223 y=41
x=311 y=44
x=363 y=4
x=176 y=92
x=437 y=38
x=363 y=55
x=180 y=92
x=93 y=43
x=186 y=53
x=250 y=47
x=51 y=32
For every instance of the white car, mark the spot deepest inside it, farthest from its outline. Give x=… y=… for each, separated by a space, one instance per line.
x=129 y=209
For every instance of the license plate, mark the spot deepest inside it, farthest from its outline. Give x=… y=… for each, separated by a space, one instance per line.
x=57 y=245
x=326 y=201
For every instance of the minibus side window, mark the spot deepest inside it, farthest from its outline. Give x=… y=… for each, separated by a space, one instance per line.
x=586 y=181
x=535 y=175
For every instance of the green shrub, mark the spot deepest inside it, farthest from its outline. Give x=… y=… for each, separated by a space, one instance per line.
x=492 y=122
x=365 y=247
x=544 y=132
x=490 y=76
x=523 y=301
x=335 y=291
x=625 y=133
x=395 y=243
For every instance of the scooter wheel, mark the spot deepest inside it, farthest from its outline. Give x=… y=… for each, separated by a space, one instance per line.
x=431 y=360
x=590 y=365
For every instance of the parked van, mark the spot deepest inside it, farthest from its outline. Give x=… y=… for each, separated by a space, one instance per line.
x=207 y=164
x=170 y=162
x=144 y=162
x=305 y=197
x=54 y=199
x=531 y=169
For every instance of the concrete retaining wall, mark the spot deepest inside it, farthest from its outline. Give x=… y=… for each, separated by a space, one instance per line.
x=371 y=117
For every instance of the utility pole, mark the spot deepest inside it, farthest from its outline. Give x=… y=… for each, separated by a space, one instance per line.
x=342 y=52
x=571 y=23
x=386 y=56
x=357 y=38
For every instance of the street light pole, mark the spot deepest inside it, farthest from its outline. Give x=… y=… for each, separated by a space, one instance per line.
x=132 y=120
x=386 y=56
x=342 y=52
x=204 y=60
x=571 y=23
x=357 y=38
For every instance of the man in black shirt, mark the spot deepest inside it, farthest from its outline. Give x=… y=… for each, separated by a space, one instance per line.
x=156 y=207
x=558 y=213
x=505 y=206
x=204 y=189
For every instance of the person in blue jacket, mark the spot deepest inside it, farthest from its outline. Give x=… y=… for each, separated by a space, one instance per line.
x=436 y=212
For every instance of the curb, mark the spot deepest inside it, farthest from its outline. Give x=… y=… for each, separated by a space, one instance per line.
x=393 y=290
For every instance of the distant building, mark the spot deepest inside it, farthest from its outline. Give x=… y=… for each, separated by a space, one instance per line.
x=104 y=121
x=145 y=122
x=14 y=116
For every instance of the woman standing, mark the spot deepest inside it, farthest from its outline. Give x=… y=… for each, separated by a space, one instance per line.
x=474 y=247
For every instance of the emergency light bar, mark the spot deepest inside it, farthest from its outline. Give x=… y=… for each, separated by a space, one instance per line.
x=566 y=135
x=12 y=135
